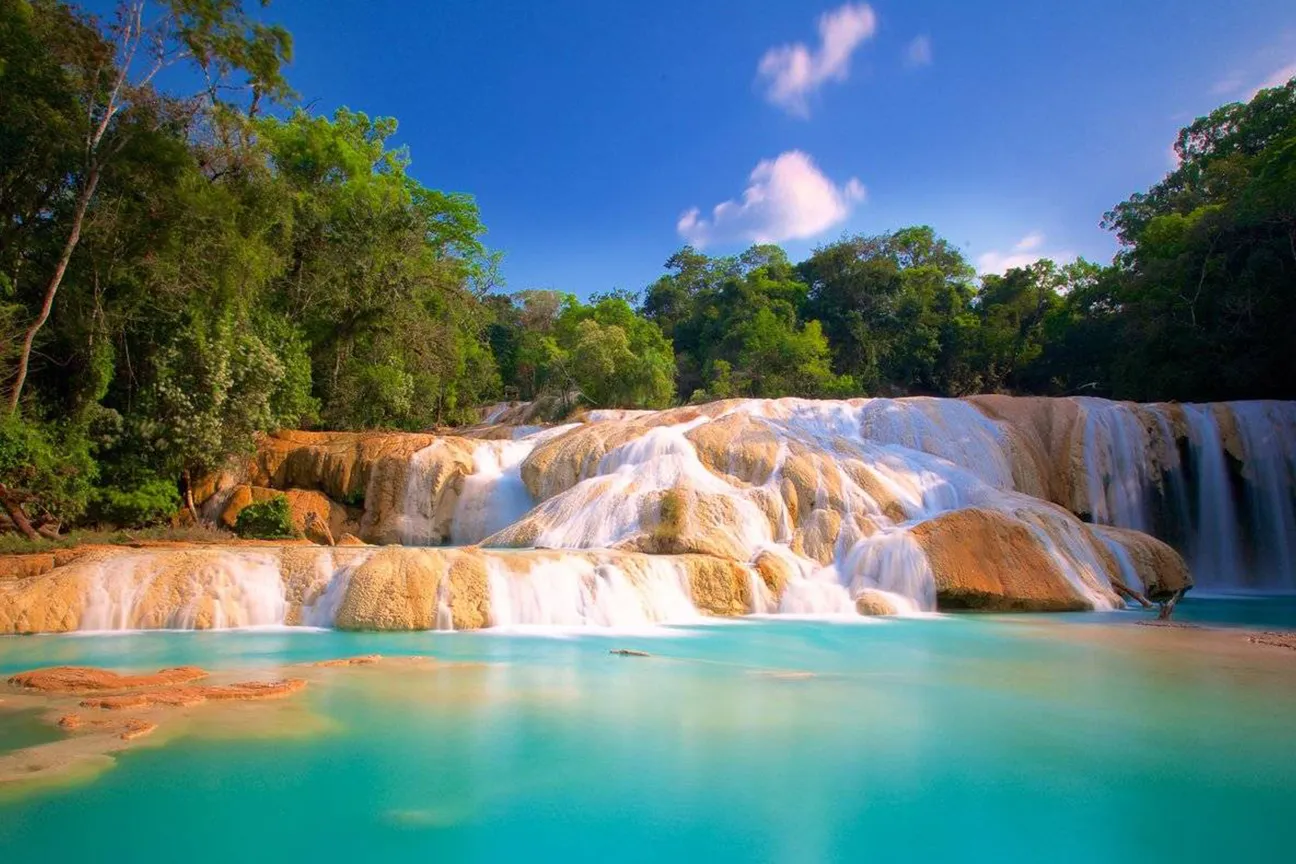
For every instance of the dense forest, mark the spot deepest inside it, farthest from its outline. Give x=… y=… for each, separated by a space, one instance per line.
x=182 y=270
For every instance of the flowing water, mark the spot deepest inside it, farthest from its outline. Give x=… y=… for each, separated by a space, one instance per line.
x=1066 y=738
x=1230 y=507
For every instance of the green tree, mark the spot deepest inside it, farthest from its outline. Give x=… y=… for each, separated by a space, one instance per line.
x=109 y=83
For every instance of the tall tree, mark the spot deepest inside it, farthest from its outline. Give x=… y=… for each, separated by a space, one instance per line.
x=111 y=86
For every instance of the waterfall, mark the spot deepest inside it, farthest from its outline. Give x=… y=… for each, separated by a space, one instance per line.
x=1216 y=547
x=1132 y=469
x=417 y=526
x=493 y=496
x=1117 y=465
x=892 y=561
x=573 y=591
x=1268 y=433
x=202 y=590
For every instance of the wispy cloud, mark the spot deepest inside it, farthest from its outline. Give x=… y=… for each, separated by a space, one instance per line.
x=1229 y=84
x=1024 y=252
x=792 y=72
x=919 y=52
x=1242 y=85
x=1277 y=78
x=787 y=198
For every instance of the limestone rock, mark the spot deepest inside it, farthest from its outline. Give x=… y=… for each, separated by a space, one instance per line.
x=23 y=566
x=870 y=602
x=86 y=679
x=986 y=559
x=1160 y=568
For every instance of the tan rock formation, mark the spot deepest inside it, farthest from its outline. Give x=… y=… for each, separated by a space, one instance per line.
x=125 y=728
x=1044 y=443
x=986 y=559
x=875 y=603
x=87 y=679
x=1160 y=568
x=720 y=587
x=23 y=566
x=469 y=595
x=775 y=571
x=394 y=589
x=177 y=697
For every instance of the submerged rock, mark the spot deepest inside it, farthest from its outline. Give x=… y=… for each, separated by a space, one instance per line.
x=85 y=679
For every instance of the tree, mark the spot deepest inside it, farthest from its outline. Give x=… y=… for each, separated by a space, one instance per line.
x=1208 y=259
x=887 y=303
x=116 y=99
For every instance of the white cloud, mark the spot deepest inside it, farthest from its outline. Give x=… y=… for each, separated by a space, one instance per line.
x=788 y=198
x=919 y=52
x=792 y=72
x=1026 y=251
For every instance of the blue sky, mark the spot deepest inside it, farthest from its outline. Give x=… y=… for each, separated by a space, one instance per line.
x=587 y=130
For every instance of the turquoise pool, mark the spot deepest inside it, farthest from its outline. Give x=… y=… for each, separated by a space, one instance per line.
x=966 y=738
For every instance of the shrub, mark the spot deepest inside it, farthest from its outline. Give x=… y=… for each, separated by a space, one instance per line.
x=150 y=502
x=267 y=520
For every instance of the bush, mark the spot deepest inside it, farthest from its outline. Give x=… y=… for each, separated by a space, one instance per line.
x=152 y=501
x=267 y=520
x=46 y=467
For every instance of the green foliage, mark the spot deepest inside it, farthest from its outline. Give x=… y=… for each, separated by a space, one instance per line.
x=1208 y=260
x=152 y=501
x=266 y=520
x=45 y=467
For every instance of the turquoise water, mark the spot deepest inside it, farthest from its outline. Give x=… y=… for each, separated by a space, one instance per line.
x=970 y=738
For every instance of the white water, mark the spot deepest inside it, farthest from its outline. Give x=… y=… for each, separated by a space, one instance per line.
x=892 y=561
x=1228 y=549
x=417 y=524
x=1216 y=552
x=928 y=456
x=1117 y=464
x=1268 y=432
x=493 y=496
x=576 y=592
x=236 y=589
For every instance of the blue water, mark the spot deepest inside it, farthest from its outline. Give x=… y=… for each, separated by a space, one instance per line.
x=971 y=738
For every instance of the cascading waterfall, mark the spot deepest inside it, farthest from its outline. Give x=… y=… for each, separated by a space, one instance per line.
x=1268 y=433
x=575 y=592
x=1216 y=547
x=1117 y=466
x=892 y=561
x=216 y=592
x=418 y=513
x=836 y=497
x=494 y=495
x=1229 y=548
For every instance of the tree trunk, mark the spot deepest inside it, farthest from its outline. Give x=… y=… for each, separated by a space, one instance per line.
x=13 y=507
x=188 y=497
x=74 y=237
x=1168 y=607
